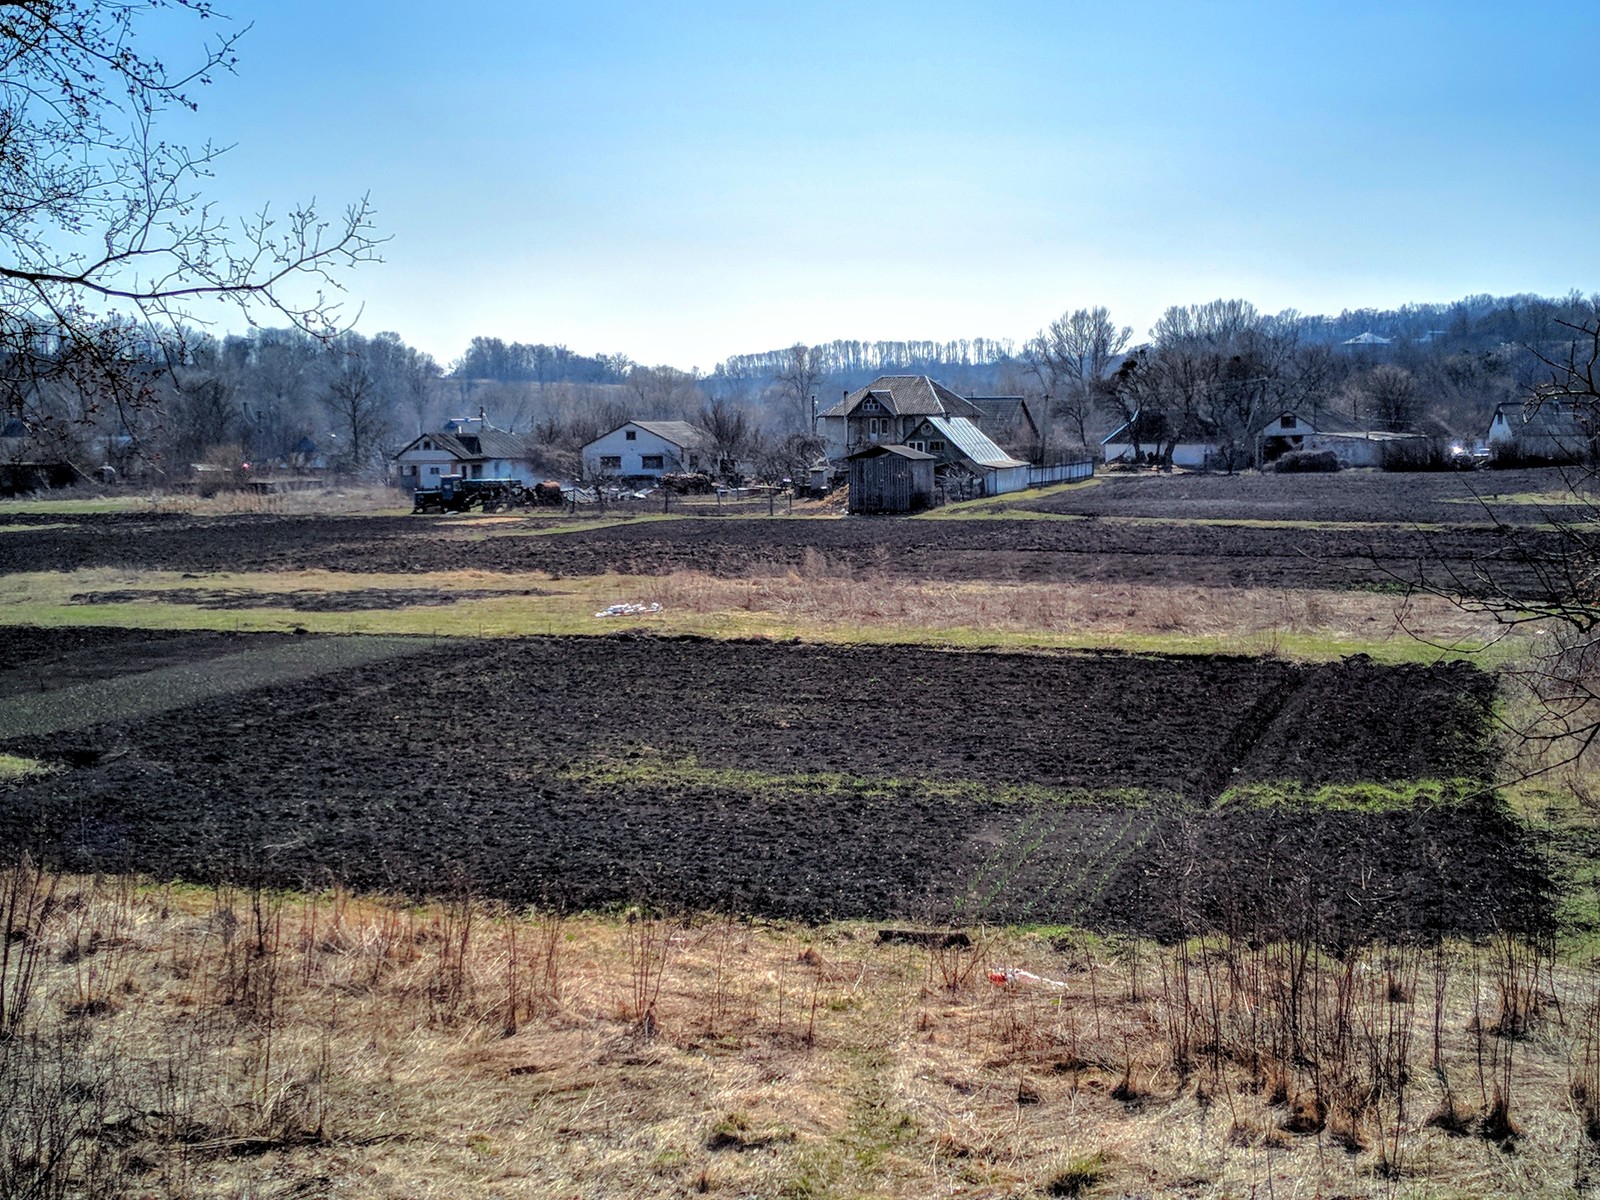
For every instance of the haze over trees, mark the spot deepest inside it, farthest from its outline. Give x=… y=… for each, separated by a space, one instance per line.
x=285 y=397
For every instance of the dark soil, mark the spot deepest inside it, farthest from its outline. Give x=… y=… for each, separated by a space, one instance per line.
x=354 y=600
x=696 y=773
x=1379 y=497
x=1002 y=550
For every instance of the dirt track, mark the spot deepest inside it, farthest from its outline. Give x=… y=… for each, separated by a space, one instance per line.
x=805 y=781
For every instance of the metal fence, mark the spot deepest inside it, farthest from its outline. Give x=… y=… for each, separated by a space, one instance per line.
x=1060 y=473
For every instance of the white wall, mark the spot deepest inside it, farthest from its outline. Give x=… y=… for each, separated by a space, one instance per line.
x=631 y=453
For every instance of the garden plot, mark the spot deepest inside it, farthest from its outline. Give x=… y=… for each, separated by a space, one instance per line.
x=807 y=781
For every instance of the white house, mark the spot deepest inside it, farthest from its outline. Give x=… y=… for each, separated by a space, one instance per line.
x=647 y=450
x=1144 y=437
x=466 y=446
x=1544 y=429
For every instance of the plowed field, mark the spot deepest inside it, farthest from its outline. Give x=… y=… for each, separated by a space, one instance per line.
x=796 y=780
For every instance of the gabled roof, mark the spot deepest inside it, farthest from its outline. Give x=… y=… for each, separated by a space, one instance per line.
x=679 y=433
x=1542 y=418
x=1367 y=339
x=481 y=446
x=1003 y=412
x=973 y=444
x=906 y=396
x=880 y=450
x=1321 y=420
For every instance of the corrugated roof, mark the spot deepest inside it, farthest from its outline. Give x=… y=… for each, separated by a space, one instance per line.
x=679 y=433
x=1002 y=410
x=907 y=396
x=902 y=451
x=973 y=443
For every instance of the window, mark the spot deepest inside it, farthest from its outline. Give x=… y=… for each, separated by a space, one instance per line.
x=652 y=462
x=935 y=447
x=433 y=470
x=611 y=462
x=916 y=445
x=1288 y=421
x=477 y=470
x=633 y=435
x=427 y=445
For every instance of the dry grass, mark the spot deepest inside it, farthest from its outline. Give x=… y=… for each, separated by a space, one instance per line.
x=1270 y=619
x=334 y=500
x=188 y=1042
x=820 y=602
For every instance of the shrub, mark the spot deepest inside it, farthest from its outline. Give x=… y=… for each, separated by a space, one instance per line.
x=1299 y=461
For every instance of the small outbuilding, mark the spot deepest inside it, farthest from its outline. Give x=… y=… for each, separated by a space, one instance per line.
x=891 y=479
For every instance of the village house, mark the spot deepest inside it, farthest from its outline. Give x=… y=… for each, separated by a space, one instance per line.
x=1141 y=440
x=646 y=450
x=1544 y=430
x=885 y=411
x=1197 y=444
x=469 y=447
x=967 y=461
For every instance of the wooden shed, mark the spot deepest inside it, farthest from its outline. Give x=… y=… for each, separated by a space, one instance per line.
x=890 y=479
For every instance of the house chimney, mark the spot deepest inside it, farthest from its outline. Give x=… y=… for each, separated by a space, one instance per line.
x=482 y=418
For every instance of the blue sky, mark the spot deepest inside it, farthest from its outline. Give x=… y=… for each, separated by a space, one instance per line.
x=681 y=182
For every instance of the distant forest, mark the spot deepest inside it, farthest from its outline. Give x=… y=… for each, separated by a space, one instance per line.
x=285 y=401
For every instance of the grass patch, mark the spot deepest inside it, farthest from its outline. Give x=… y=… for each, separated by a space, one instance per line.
x=14 y=767
x=1009 y=506
x=648 y=767
x=1401 y=796
x=1076 y=1176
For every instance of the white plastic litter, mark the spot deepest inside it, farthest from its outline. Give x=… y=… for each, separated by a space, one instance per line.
x=629 y=610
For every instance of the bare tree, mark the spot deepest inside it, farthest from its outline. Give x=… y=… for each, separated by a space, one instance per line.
x=358 y=411
x=1070 y=357
x=797 y=384
x=728 y=430
x=107 y=242
x=1390 y=398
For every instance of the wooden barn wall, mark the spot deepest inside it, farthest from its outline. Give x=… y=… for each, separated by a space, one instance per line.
x=890 y=484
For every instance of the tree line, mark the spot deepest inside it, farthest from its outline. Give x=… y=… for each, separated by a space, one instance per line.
x=287 y=397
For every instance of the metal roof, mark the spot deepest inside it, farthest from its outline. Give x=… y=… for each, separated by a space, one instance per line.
x=879 y=450
x=973 y=443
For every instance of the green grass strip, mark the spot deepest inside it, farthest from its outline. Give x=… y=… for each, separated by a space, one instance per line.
x=687 y=774
x=1400 y=796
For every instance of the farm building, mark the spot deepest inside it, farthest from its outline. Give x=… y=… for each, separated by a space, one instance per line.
x=1354 y=444
x=1546 y=430
x=469 y=447
x=24 y=467
x=968 y=463
x=1147 y=436
x=646 y=450
x=888 y=409
x=891 y=479
x=1197 y=445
